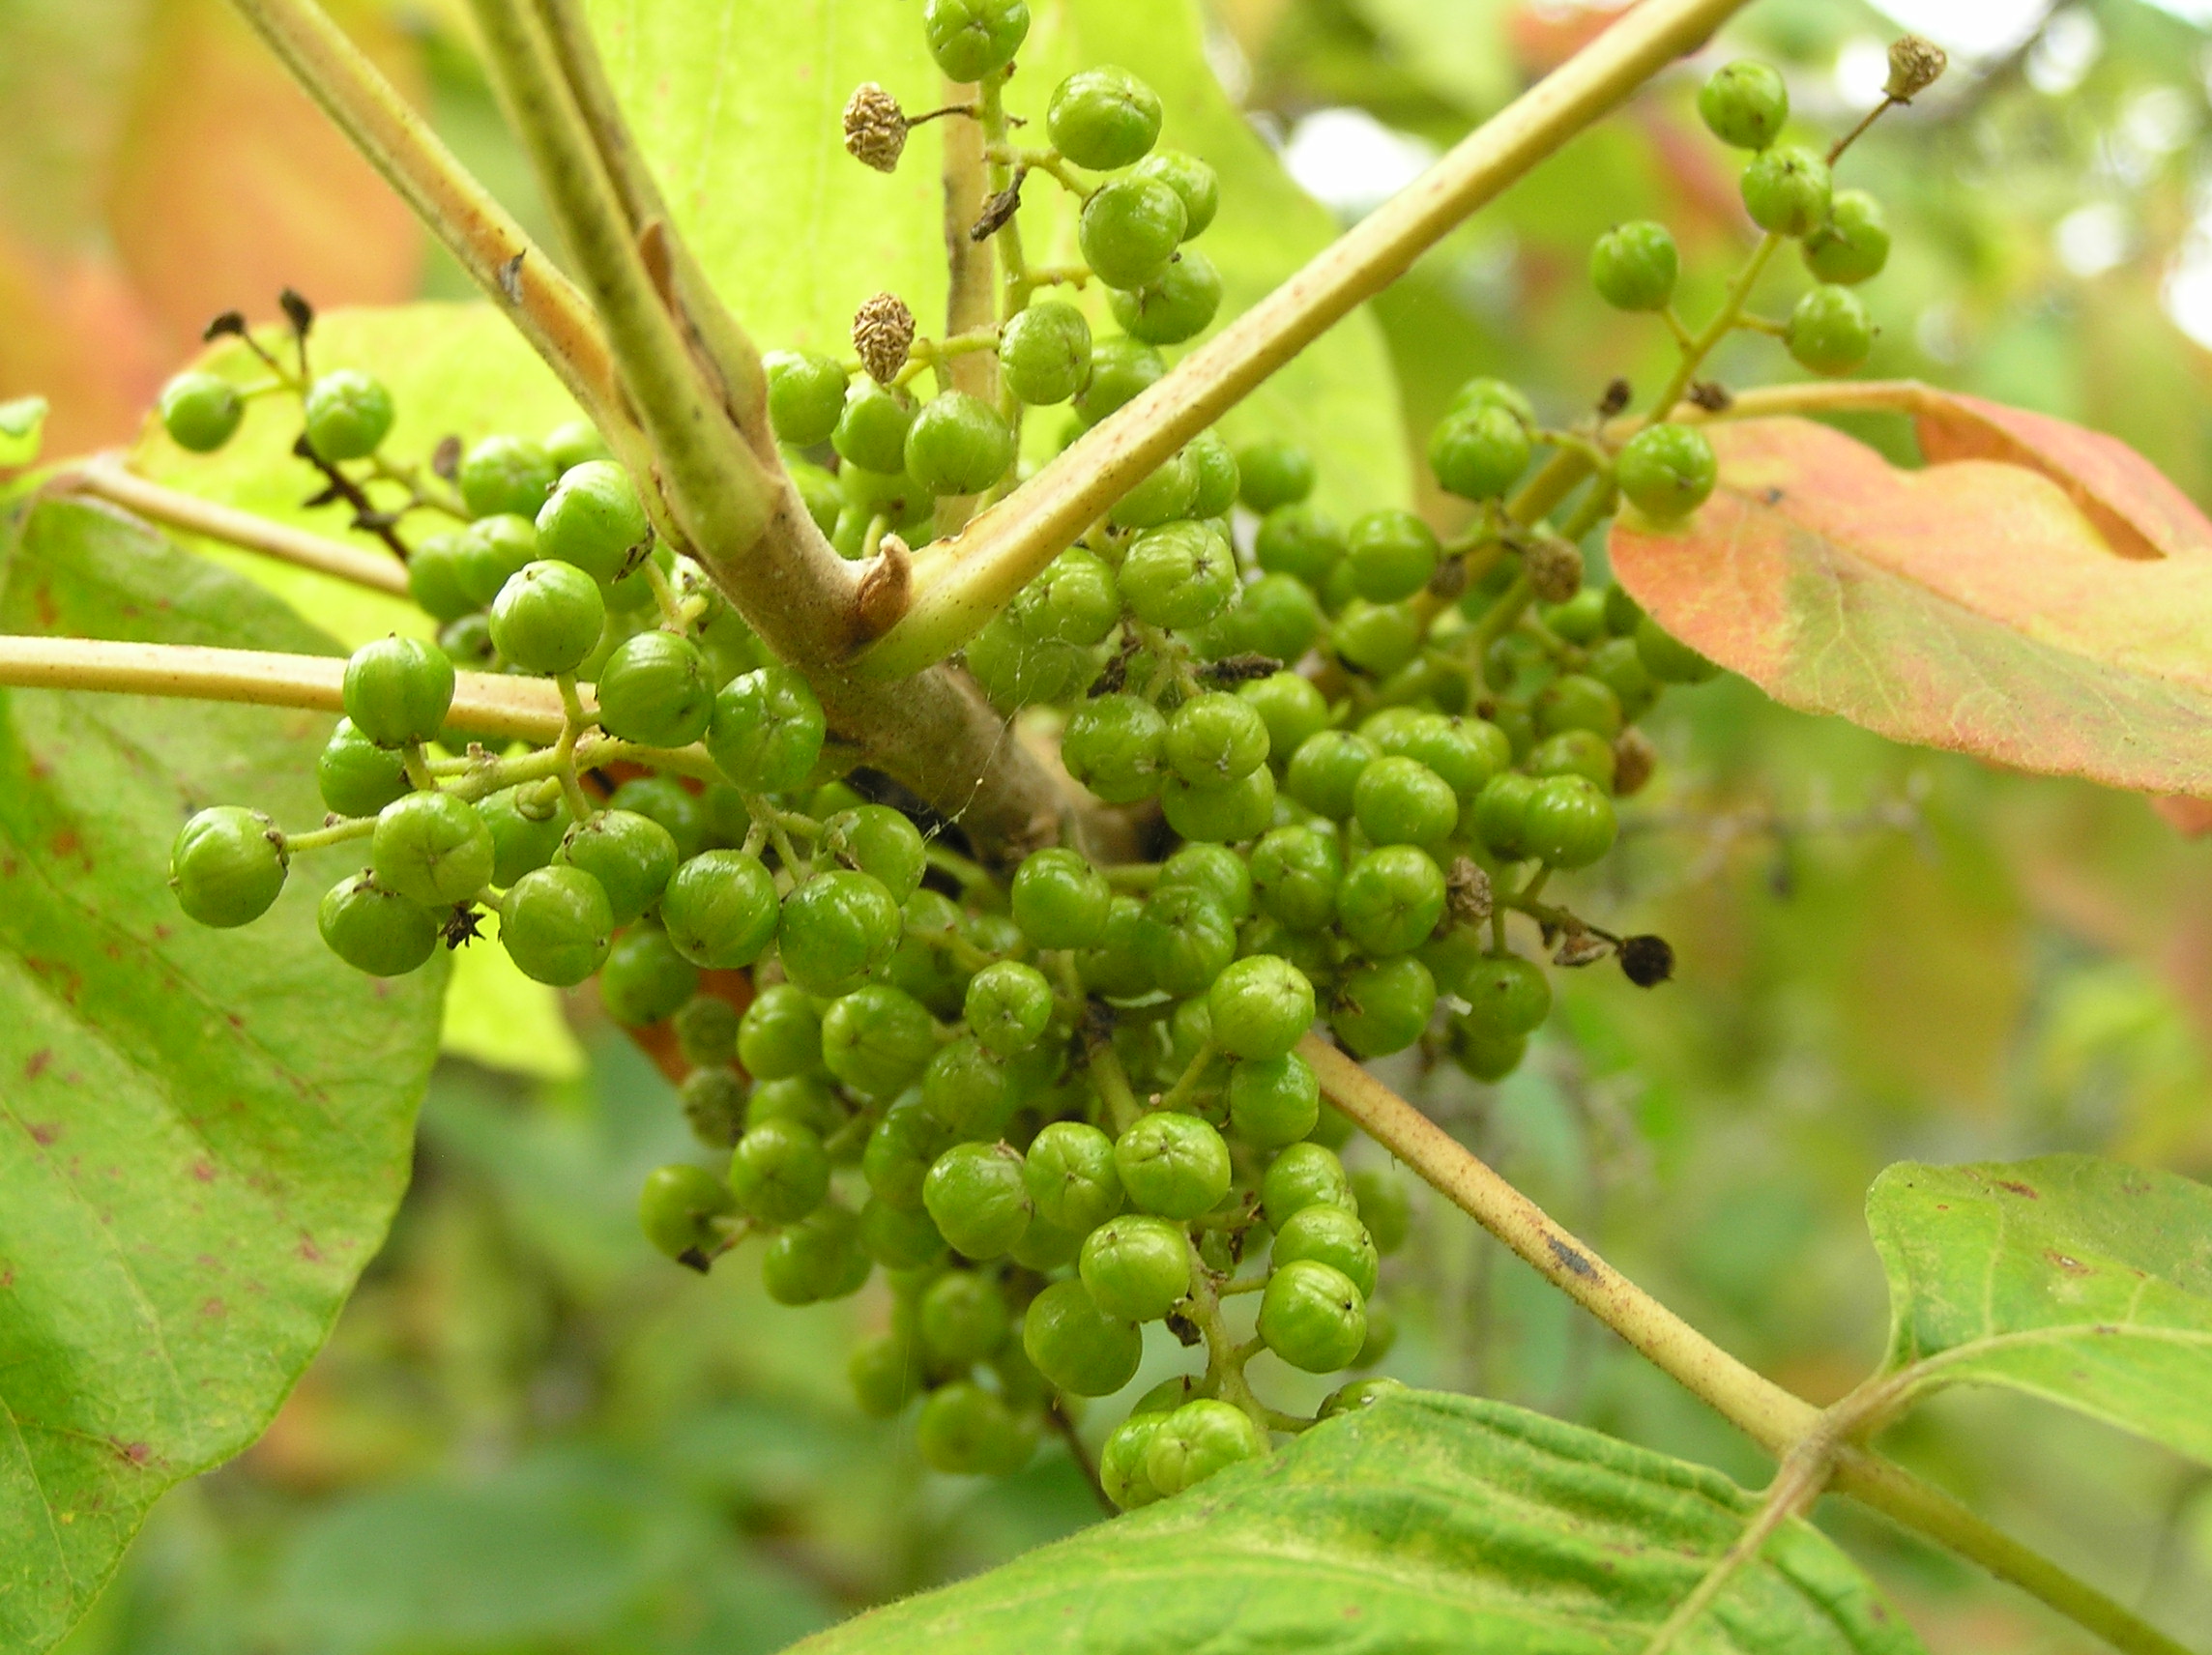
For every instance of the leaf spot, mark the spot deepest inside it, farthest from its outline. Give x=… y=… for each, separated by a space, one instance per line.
x=2020 y=1189
x=2072 y=1267
x=38 y=1063
x=1569 y=1257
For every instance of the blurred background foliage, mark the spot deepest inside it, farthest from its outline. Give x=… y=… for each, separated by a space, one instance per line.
x=530 y=1434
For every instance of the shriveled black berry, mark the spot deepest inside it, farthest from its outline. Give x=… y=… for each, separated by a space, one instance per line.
x=1646 y=961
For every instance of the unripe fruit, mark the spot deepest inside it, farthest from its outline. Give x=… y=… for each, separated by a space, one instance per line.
x=506 y=475
x=871 y=431
x=1130 y=231
x=1165 y=496
x=819 y=1257
x=375 y=930
x=1008 y=1005
x=1570 y=823
x=675 y=1208
x=1044 y=353
x=1391 y=555
x=397 y=690
x=555 y=925
x=877 y=840
x=1103 y=118
x=432 y=848
x=1830 y=330
x=574 y=442
x=780 y=1035
x=976 y=1194
x=958 y=444
x=1076 y=601
x=654 y=689
x=434 y=579
x=1190 y=178
x=961 y=1318
x=1115 y=745
x=1260 y=1007
x=1391 y=899
x=521 y=839
x=1121 y=369
x=1667 y=471
x=1180 y=304
x=227 y=867
x=1505 y=994
x=767 y=730
x=548 y=616
x=1274 y=473
x=970 y=39
x=877 y=1040
x=1071 y=1176
x=966 y=1431
x=720 y=910
x=835 y=929
x=348 y=415
x=1479 y=452
x=1313 y=1317
x=632 y=857
x=356 y=776
x=1078 y=1346
x=645 y=979
x=1634 y=265
x=805 y=396
x=491 y=551
x=1853 y=244
x=1181 y=575
x=592 y=519
x=1787 y=191
x=1667 y=659
x=1330 y=1235
x=1744 y=105
x=1273 y=1101
x=1201 y=1437
x=1172 y=1165
x=778 y=1172
x=1384 y=1007
x=200 y=411
x=1135 y=1267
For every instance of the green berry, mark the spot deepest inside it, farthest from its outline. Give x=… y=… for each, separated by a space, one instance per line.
x=780 y=1035
x=878 y=840
x=1381 y=1333
x=877 y=1040
x=357 y=777
x=779 y=1172
x=1488 y=1057
x=1401 y=801
x=1830 y=330
x=1574 y=700
x=1118 y=966
x=706 y=1030
x=1466 y=752
x=547 y=618
x=882 y=1371
x=1744 y=105
x=1634 y=265
x=645 y=979
x=655 y=690
x=1071 y=1176
x=899 y=1152
x=1667 y=471
x=1615 y=664
x=805 y=396
x=836 y=929
x=1190 y=178
x=1300 y=1176
x=1199 y=1439
x=375 y=930
x=200 y=411
x=1215 y=738
x=1502 y=815
x=1378 y=638
x=1853 y=244
x=555 y=925
x=348 y=415
x=1298 y=541
x=1273 y=1101
x=961 y=1318
x=767 y=730
x=1060 y=900
x=1295 y=875
x=574 y=442
x=1391 y=899
x=665 y=799
x=1290 y=708
x=676 y=1207
x=1122 y=1462
x=592 y=519
x=1479 y=452
x=871 y=431
x=1130 y=231
x=1172 y=1165
x=1009 y=1006
x=1219 y=873
x=899 y=1239
x=1177 y=305
x=1137 y=1268
x=720 y=910
x=1330 y=1235
x=227 y=867
x=966 y=1431
x=971 y=39
x=1667 y=658
x=1313 y=1317
x=1360 y=1395
x=632 y=857
x=1580 y=620
x=432 y=849
x=819 y=1257
x=1324 y=773
x=434 y=579
x=1121 y=369
x=1181 y=575
x=397 y=690
x=1391 y=554
x=1383 y=1208
x=1505 y=994
x=1575 y=752
x=975 y=1195
x=508 y=476
x=1787 y=191
x=1044 y=353
x=958 y=444
x=1104 y=118
x=1384 y=1007
x=1273 y=473
x=1164 y=496
x=1080 y=1347
x=491 y=551
x=1260 y=1006
x=1184 y=939
x=1218 y=479
x=1570 y=822
x=1115 y=745
x=1075 y=600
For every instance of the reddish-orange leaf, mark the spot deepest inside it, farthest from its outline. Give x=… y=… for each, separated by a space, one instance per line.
x=1972 y=605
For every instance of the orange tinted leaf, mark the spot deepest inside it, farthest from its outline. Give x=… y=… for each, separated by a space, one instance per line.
x=1972 y=605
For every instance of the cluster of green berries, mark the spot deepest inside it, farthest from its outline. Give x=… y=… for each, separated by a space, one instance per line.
x=1667 y=470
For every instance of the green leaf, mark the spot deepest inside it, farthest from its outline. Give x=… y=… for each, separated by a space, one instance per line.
x=1426 y=1523
x=2080 y=1280
x=205 y=1133
x=23 y=431
x=796 y=233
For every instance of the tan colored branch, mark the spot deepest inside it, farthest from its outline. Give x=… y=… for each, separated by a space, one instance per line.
x=961 y=584
x=106 y=479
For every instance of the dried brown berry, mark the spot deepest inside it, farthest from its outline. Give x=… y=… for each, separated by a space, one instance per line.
x=1555 y=569
x=882 y=333
x=1916 y=65
x=875 y=127
x=1466 y=892
x=1634 y=758
x=1646 y=961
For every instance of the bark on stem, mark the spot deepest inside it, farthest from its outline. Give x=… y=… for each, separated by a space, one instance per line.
x=961 y=584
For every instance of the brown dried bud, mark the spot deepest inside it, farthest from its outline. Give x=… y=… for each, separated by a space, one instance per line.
x=882 y=333
x=1580 y=948
x=1617 y=393
x=1712 y=397
x=1553 y=565
x=1634 y=758
x=1449 y=580
x=997 y=211
x=1916 y=65
x=1466 y=892
x=875 y=127
x=1646 y=961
